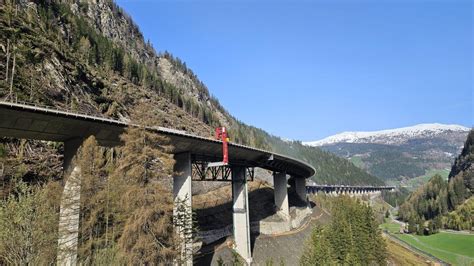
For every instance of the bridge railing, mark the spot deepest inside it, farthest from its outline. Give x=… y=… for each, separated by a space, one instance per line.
x=56 y=108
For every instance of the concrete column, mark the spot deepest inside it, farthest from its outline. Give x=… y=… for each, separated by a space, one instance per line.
x=182 y=195
x=240 y=211
x=70 y=206
x=281 y=195
x=300 y=187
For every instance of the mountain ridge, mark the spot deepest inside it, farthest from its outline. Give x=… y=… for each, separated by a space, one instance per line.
x=392 y=136
x=404 y=156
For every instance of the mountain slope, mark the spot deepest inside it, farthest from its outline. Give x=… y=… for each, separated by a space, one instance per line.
x=434 y=199
x=398 y=155
x=91 y=57
x=391 y=136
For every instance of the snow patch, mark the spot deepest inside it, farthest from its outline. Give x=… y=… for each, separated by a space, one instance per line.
x=390 y=136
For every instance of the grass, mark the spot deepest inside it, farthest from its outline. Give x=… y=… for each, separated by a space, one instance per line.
x=357 y=161
x=418 y=181
x=456 y=249
x=399 y=255
x=391 y=227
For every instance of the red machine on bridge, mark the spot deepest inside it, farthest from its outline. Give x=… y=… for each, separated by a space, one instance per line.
x=221 y=134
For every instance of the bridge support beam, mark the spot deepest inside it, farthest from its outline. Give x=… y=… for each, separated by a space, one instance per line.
x=241 y=214
x=70 y=206
x=300 y=187
x=183 y=204
x=281 y=195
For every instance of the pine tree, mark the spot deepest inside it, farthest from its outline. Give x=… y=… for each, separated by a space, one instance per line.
x=351 y=238
x=318 y=249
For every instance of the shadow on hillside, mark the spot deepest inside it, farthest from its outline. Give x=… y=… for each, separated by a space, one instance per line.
x=261 y=206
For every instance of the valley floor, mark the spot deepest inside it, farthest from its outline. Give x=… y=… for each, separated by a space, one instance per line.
x=399 y=255
x=454 y=248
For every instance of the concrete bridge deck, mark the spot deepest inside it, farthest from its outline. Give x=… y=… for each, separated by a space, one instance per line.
x=31 y=122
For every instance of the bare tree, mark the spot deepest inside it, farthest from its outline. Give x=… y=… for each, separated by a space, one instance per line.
x=13 y=73
x=8 y=59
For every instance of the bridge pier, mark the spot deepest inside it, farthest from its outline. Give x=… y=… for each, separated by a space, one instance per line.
x=70 y=206
x=182 y=181
x=300 y=187
x=281 y=195
x=240 y=211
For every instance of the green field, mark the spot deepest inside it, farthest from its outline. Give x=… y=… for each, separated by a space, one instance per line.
x=457 y=249
x=357 y=161
x=421 y=180
x=390 y=227
x=453 y=248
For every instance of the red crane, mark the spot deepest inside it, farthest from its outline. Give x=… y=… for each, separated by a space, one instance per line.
x=221 y=134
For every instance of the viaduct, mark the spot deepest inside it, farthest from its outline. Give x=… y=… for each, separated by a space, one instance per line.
x=313 y=188
x=193 y=156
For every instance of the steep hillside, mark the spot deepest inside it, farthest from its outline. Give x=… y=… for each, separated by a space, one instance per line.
x=398 y=155
x=330 y=169
x=461 y=177
x=433 y=200
x=464 y=161
x=89 y=56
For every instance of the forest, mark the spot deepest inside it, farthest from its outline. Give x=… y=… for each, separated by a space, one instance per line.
x=351 y=238
x=444 y=204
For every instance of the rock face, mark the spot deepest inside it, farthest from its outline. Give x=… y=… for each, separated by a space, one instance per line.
x=465 y=160
x=110 y=20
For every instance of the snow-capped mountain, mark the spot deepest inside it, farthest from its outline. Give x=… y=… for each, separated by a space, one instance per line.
x=401 y=154
x=391 y=136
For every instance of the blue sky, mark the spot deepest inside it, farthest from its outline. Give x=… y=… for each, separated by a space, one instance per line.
x=309 y=69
